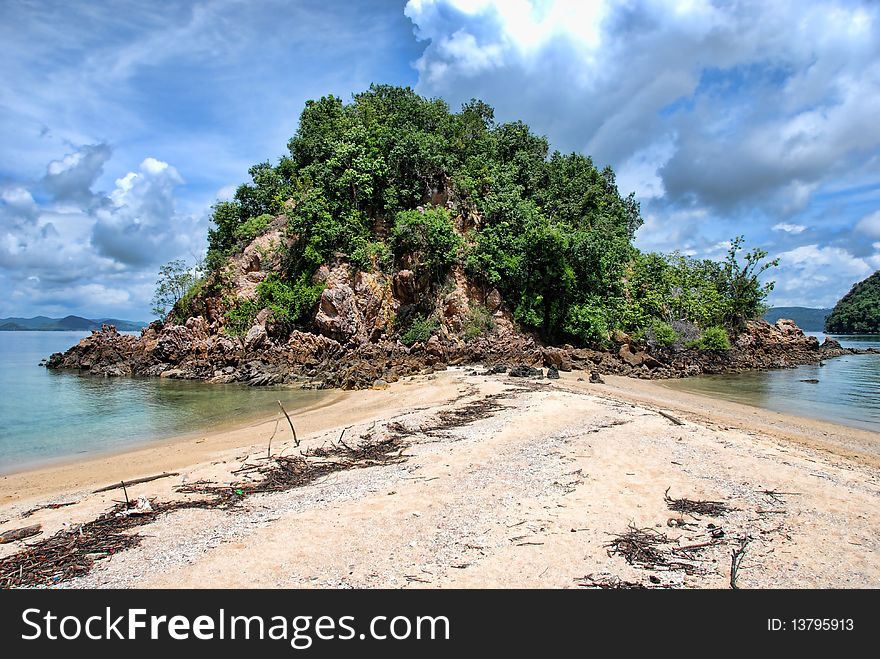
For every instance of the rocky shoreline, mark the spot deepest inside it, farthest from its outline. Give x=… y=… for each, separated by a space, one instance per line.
x=196 y=351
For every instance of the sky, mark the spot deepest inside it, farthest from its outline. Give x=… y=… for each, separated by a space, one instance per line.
x=122 y=122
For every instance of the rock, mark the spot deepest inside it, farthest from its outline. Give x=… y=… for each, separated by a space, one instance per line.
x=434 y=347
x=523 y=371
x=337 y=313
x=174 y=344
x=648 y=360
x=262 y=317
x=632 y=359
x=405 y=287
x=619 y=337
x=811 y=381
x=552 y=373
x=830 y=344
x=256 y=337
x=595 y=378
x=557 y=358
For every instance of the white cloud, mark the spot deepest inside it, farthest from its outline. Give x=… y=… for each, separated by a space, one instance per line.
x=787 y=227
x=870 y=225
x=820 y=275
x=89 y=250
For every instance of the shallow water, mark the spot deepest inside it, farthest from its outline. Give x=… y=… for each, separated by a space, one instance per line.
x=49 y=415
x=847 y=391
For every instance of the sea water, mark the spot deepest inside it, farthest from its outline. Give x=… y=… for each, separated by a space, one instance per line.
x=48 y=415
x=847 y=390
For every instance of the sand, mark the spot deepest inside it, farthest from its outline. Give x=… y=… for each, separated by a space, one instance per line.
x=530 y=496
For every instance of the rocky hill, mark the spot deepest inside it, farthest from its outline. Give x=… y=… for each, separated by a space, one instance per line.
x=400 y=237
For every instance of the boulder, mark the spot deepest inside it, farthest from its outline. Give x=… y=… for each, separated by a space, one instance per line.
x=256 y=337
x=632 y=359
x=552 y=373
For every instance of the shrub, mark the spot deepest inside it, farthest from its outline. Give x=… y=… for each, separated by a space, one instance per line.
x=661 y=334
x=428 y=239
x=714 y=338
x=253 y=227
x=287 y=303
x=421 y=329
x=478 y=322
x=239 y=317
x=586 y=323
x=368 y=256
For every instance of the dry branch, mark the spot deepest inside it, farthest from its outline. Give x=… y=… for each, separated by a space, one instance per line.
x=290 y=423
x=136 y=481
x=696 y=507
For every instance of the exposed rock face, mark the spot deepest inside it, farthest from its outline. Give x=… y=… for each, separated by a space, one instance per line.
x=355 y=310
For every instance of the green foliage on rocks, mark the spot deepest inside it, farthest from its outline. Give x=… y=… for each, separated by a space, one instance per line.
x=394 y=180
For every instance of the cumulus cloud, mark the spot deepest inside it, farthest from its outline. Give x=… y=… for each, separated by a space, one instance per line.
x=724 y=118
x=70 y=179
x=88 y=250
x=870 y=225
x=828 y=272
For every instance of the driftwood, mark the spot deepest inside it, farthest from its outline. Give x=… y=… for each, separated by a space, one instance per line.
x=136 y=481
x=20 y=534
x=289 y=422
x=674 y=420
x=48 y=506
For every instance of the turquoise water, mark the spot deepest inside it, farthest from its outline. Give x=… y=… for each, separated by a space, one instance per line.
x=847 y=391
x=49 y=415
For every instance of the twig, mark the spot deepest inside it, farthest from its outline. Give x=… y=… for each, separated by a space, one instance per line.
x=125 y=492
x=292 y=429
x=269 y=448
x=136 y=481
x=735 y=559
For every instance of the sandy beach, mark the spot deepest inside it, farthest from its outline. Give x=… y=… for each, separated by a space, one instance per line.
x=532 y=493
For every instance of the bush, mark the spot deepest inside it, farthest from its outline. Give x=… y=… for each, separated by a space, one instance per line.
x=368 y=256
x=287 y=303
x=240 y=317
x=478 y=322
x=586 y=323
x=191 y=303
x=661 y=334
x=714 y=338
x=428 y=239
x=252 y=228
x=421 y=329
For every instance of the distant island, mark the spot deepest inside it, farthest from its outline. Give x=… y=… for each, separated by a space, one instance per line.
x=858 y=312
x=66 y=324
x=807 y=318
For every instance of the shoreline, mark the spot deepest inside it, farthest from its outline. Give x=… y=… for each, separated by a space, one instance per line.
x=586 y=458
x=198 y=435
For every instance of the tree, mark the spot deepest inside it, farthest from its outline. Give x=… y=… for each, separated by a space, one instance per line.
x=745 y=292
x=175 y=280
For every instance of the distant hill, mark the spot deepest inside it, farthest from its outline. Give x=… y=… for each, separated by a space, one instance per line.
x=66 y=324
x=808 y=319
x=857 y=312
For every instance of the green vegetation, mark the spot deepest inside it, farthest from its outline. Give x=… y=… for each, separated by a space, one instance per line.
x=714 y=338
x=393 y=180
x=421 y=329
x=858 y=312
x=478 y=322
x=286 y=303
x=176 y=288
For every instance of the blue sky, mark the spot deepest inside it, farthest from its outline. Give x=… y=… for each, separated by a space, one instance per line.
x=122 y=122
